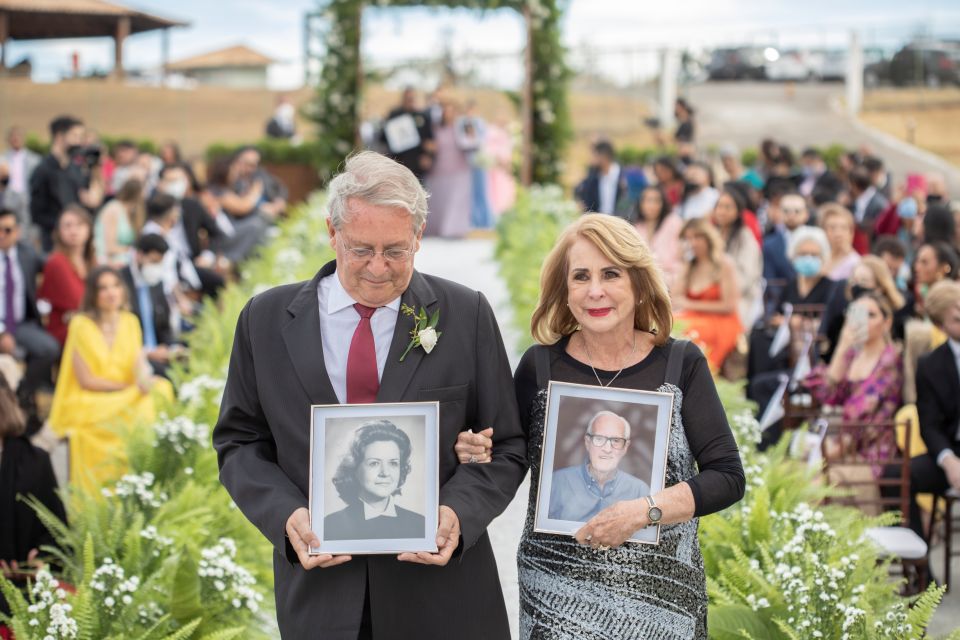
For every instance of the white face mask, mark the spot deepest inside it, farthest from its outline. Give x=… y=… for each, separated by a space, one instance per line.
x=152 y=273
x=177 y=189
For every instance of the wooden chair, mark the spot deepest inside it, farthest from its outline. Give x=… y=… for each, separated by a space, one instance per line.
x=846 y=467
x=943 y=506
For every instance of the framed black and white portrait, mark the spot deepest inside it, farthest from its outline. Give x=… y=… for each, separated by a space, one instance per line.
x=601 y=446
x=374 y=477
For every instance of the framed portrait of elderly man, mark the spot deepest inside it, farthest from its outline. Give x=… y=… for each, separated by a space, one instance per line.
x=374 y=477
x=601 y=446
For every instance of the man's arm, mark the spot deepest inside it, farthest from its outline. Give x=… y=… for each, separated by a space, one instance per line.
x=246 y=450
x=478 y=493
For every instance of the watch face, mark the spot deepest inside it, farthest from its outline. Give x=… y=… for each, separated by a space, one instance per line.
x=654 y=514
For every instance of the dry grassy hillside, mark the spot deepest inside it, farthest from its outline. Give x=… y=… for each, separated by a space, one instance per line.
x=198 y=117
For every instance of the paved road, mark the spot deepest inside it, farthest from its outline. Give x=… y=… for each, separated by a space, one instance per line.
x=744 y=113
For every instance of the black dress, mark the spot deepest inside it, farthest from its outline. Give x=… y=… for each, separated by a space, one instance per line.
x=572 y=592
x=25 y=470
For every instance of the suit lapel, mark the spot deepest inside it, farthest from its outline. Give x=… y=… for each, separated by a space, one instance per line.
x=397 y=375
x=301 y=336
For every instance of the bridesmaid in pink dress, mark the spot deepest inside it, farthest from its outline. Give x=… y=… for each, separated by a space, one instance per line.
x=501 y=187
x=450 y=181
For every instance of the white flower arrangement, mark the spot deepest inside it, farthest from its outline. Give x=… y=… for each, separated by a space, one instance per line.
x=49 y=609
x=137 y=487
x=230 y=582
x=182 y=434
x=115 y=589
x=194 y=390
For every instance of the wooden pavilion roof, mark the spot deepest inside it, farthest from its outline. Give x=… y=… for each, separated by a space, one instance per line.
x=236 y=56
x=55 y=19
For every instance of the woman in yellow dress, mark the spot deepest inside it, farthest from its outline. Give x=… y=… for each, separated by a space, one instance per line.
x=104 y=386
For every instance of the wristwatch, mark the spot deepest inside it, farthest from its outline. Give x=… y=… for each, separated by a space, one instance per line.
x=654 y=513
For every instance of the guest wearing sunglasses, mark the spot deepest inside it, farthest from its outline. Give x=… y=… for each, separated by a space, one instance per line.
x=21 y=334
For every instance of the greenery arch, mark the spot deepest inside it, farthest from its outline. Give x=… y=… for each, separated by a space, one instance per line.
x=335 y=108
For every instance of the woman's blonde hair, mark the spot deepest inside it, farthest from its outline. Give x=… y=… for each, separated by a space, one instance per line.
x=885 y=283
x=620 y=243
x=942 y=297
x=834 y=210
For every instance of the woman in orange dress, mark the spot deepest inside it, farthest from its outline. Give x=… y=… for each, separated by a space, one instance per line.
x=707 y=296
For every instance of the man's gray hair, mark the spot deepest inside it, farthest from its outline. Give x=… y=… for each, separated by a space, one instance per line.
x=807 y=233
x=610 y=414
x=380 y=181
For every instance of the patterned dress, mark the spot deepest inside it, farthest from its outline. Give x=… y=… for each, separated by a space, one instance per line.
x=569 y=591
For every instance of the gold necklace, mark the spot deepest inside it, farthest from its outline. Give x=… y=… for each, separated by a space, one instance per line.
x=586 y=348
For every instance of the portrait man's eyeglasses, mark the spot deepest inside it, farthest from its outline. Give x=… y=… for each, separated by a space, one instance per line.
x=601 y=441
x=363 y=254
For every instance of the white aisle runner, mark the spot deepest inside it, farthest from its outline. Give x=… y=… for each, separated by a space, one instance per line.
x=471 y=263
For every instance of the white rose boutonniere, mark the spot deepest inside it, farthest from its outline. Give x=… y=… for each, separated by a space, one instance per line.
x=424 y=333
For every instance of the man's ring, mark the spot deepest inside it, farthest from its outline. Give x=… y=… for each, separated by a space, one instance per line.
x=603 y=547
x=474 y=459
x=589 y=537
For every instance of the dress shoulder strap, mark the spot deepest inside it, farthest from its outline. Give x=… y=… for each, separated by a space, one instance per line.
x=675 y=351
x=541 y=355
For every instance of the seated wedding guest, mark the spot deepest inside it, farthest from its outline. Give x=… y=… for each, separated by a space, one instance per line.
x=105 y=382
x=838 y=223
x=935 y=261
x=707 y=294
x=870 y=274
x=864 y=378
x=893 y=252
x=125 y=165
x=600 y=278
x=785 y=214
x=170 y=153
x=197 y=228
x=605 y=185
x=118 y=223
x=21 y=334
x=369 y=479
x=669 y=178
x=25 y=471
x=148 y=301
x=660 y=227
x=66 y=269
x=163 y=219
x=741 y=245
x=809 y=252
x=248 y=223
x=574 y=491
x=938 y=404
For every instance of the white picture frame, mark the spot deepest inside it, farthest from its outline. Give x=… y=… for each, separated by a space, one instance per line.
x=369 y=492
x=401 y=133
x=566 y=467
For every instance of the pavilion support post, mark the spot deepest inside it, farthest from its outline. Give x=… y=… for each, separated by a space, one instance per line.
x=4 y=35
x=164 y=56
x=526 y=105
x=123 y=30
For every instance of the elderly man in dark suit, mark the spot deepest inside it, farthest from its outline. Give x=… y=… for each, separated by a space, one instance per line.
x=938 y=403
x=21 y=334
x=339 y=338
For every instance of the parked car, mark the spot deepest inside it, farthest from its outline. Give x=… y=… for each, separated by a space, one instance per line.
x=789 y=66
x=932 y=65
x=743 y=63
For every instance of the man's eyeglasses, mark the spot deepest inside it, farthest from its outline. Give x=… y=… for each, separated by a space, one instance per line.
x=601 y=441
x=393 y=254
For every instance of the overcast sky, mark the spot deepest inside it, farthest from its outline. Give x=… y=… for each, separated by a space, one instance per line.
x=392 y=35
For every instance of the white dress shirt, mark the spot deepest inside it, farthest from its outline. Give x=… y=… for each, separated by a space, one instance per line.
x=338 y=322
x=17 y=166
x=608 y=189
x=19 y=294
x=862 y=202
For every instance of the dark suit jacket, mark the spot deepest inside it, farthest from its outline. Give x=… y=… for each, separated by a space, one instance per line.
x=349 y=524
x=31 y=266
x=262 y=440
x=161 y=307
x=938 y=400
x=776 y=264
x=588 y=191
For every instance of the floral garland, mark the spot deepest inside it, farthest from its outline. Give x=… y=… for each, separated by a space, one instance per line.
x=335 y=108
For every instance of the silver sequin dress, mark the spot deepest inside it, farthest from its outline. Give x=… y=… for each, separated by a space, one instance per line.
x=637 y=592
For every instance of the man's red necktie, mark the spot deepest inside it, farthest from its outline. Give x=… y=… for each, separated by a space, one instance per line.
x=362 y=380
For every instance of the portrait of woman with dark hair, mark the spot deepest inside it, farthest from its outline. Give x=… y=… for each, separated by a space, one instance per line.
x=369 y=478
